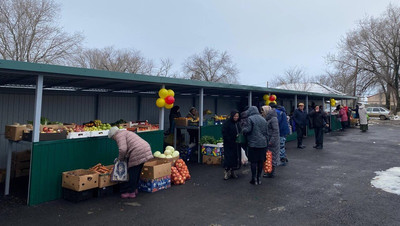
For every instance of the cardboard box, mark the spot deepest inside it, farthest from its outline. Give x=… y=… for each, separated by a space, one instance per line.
x=21 y=156
x=20 y=173
x=14 y=132
x=80 y=180
x=2 y=175
x=165 y=160
x=153 y=185
x=181 y=121
x=27 y=136
x=212 y=149
x=105 y=179
x=211 y=160
x=54 y=127
x=155 y=169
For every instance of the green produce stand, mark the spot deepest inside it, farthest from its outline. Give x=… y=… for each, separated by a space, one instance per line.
x=51 y=158
x=213 y=130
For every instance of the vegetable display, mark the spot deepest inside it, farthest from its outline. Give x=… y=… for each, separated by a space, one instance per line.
x=179 y=172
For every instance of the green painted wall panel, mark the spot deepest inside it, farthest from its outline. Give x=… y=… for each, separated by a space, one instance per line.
x=214 y=130
x=155 y=139
x=51 y=158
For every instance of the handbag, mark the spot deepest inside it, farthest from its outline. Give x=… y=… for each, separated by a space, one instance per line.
x=240 y=137
x=120 y=171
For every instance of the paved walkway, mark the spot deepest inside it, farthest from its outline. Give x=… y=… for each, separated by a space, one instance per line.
x=318 y=187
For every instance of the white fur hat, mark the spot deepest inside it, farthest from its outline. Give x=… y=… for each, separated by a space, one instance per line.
x=112 y=131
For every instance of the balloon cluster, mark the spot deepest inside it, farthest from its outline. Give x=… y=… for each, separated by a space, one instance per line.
x=333 y=102
x=166 y=98
x=269 y=99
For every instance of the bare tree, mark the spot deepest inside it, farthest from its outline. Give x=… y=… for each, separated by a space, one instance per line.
x=212 y=66
x=28 y=32
x=110 y=59
x=294 y=78
x=164 y=69
x=376 y=44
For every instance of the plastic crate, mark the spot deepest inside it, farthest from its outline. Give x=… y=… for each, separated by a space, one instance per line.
x=102 y=192
x=77 y=196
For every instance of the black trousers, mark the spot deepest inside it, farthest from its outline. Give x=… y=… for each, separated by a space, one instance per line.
x=319 y=136
x=301 y=131
x=134 y=176
x=193 y=135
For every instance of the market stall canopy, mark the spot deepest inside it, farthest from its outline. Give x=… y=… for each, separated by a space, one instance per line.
x=16 y=75
x=311 y=87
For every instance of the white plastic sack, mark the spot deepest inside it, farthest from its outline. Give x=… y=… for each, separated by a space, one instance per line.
x=245 y=160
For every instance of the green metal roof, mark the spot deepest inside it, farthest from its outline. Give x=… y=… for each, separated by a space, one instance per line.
x=21 y=72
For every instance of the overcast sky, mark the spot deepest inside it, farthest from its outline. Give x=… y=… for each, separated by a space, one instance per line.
x=264 y=37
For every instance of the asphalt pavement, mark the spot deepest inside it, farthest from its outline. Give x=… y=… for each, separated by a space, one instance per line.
x=331 y=186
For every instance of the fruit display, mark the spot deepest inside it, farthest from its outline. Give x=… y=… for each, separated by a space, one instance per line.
x=99 y=168
x=268 y=163
x=169 y=153
x=220 y=117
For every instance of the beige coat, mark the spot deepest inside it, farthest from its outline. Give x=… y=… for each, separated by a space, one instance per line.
x=132 y=146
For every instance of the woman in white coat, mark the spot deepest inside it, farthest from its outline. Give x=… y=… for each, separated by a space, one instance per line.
x=363 y=118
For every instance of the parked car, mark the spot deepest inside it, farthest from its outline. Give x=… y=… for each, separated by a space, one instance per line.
x=380 y=112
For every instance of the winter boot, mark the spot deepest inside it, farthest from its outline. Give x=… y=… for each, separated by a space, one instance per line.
x=227 y=174
x=233 y=174
x=253 y=181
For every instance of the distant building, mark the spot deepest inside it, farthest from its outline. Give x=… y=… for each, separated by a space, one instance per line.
x=379 y=100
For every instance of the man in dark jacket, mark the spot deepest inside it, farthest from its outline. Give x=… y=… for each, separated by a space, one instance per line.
x=300 y=118
x=283 y=132
x=319 y=121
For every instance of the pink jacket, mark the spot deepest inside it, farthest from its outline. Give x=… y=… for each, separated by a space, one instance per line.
x=343 y=115
x=132 y=146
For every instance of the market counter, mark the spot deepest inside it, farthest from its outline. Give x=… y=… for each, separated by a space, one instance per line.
x=51 y=158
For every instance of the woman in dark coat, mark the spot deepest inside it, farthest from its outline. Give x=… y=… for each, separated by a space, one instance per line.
x=319 y=120
x=255 y=129
x=232 y=150
x=273 y=136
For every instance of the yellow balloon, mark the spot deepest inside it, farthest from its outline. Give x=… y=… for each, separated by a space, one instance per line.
x=266 y=97
x=272 y=102
x=160 y=102
x=171 y=93
x=267 y=102
x=163 y=93
x=169 y=106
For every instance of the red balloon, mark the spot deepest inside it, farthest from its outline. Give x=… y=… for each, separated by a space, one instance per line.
x=272 y=98
x=169 y=100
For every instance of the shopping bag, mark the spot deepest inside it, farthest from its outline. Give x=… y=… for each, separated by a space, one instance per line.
x=120 y=171
x=268 y=162
x=241 y=139
x=245 y=160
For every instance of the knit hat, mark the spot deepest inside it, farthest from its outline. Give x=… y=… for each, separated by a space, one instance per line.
x=112 y=131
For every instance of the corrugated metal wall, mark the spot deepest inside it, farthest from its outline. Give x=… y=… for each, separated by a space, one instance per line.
x=13 y=108
x=113 y=108
x=82 y=108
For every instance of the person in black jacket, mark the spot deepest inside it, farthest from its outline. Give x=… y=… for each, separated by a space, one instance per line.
x=300 y=119
x=319 y=121
x=232 y=150
x=174 y=113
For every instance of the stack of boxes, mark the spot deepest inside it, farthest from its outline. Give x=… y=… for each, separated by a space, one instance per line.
x=21 y=162
x=155 y=176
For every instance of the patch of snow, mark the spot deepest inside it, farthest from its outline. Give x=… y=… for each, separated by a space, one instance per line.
x=388 y=180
